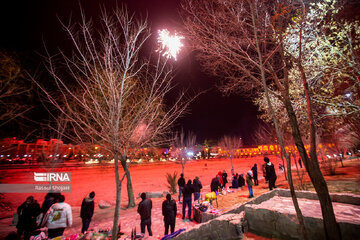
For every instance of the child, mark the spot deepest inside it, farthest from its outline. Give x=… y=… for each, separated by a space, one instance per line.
x=249 y=182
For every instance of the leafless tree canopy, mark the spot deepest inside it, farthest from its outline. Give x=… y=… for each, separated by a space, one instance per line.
x=223 y=34
x=114 y=97
x=230 y=144
x=183 y=144
x=111 y=96
x=13 y=89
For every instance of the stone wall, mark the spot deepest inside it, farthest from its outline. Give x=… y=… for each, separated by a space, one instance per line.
x=335 y=197
x=268 y=223
x=224 y=227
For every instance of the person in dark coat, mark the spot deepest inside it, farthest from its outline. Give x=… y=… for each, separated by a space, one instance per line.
x=235 y=182
x=270 y=173
x=181 y=184
x=87 y=211
x=241 y=180
x=255 y=174
x=187 y=199
x=214 y=186
x=28 y=211
x=48 y=201
x=169 y=212
x=144 y=209
x=300 y=163
x=197 y=187
x=224 y=178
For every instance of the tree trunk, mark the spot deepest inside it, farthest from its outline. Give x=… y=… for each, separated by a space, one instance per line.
x=293 y=196
x=276 y=123
x=331 y=227
x=130 y=191
x=283 y=162
x=332 y=230
x=232 y=165
x=298 y=173
x=183 y=167
x=118 y=199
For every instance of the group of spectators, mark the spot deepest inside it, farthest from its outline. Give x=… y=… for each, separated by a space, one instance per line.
x=169 y=208
x=55 y=214
x=186 y=191
x=269 y=173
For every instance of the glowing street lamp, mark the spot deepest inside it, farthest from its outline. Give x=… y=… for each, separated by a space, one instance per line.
x=170 y=45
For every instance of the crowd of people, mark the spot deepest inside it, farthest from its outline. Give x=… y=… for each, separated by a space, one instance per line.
x=238 y=181
x=56 y=214
x=191 y=189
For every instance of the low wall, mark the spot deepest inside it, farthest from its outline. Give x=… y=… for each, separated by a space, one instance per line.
x=335 y=197
x=224 y=227
x=277 y=223
x=266 y=222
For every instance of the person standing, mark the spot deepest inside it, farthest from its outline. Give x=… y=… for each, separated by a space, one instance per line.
x=87 y=211
x=249 y=182
x=255 y=174
x=28 y=211
x=300 y=163
x=48 y=201
x=181 y=184
x=58 y=217
x=224 y=178
x=187 y=199
x=169 y=212
x=144 y=209
x=214 y=186
x=197 y=187
x=270 y=173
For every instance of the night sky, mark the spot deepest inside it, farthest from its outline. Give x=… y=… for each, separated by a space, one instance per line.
x=25 y=25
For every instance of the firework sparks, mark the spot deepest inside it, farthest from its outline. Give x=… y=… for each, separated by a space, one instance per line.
x=170 y=45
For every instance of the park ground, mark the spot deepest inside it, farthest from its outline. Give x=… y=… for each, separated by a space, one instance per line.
x=151 y=178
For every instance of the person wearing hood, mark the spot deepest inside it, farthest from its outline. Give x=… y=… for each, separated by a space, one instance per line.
x=87 y=211
x=255 y=173
x=214 y=186
x=241 y=181
x=235 y=182
x=169 y=212
x=58 y=217
x=249 y=182
x=28 y=211
x=270 y=173
x=144 y=209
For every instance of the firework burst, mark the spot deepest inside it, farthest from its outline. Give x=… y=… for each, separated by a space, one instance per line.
x=170 y=45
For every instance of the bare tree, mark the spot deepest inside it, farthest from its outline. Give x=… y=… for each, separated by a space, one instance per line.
x=111 y=96
x=264 y=134
x=14 y=89
x=230 y=144
x=238 y=39
x=184 y=147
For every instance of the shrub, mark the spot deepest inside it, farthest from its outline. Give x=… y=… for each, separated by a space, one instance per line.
x=171 y=180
